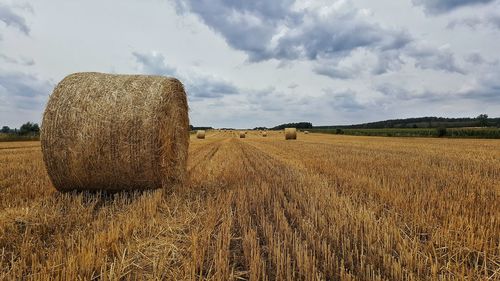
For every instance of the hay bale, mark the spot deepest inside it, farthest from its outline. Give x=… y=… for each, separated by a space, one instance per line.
x=306 y=132
x=264 y=134
x=242 y=135
x=115 y=132
x=290 y=134
x=200 y=134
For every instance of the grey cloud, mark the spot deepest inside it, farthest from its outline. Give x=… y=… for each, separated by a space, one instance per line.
x=20 y=61
x=11 y=18
x=424 y=56
x=206 y=87
x=491 y=20
x=269 y=100
x=488 y=93
x=272 y=29
x=197 y=86
x=246 y=25
x=336 y=72
x=487 y=86
x=437 y=59
x=388 y=61
x=442 y=6
x=343 y=100
x=336 y=34
x=475 y=58
x=276 y=30
x=485 y=89
x=24 y=91
x=154 y=63
x=394 y=93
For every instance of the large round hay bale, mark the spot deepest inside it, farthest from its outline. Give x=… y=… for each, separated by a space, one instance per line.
x=290 y=133
x=200 y=134
x=264 y=134
x=242 y=135
x=115 y=132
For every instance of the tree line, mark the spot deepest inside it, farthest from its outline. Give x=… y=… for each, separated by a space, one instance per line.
x=27 y=128
x=424 y=122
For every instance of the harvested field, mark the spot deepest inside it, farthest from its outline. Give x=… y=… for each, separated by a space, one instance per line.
x=323 y=207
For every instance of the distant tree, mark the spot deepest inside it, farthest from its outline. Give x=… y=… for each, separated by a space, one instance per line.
x=483 y=120
x=339 y=131
x=5 y=129
x=194 y=128
x=29 y=128
x=299 y=125
x=414 y=126
x=35 y=128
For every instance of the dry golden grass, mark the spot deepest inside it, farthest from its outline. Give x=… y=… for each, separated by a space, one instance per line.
x=323 y=207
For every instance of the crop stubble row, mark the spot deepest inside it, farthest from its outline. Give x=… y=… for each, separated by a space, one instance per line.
x=322 y=207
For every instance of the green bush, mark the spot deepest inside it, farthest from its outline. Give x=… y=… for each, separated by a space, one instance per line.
x=440 y=132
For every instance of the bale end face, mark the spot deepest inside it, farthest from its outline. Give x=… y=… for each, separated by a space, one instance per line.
x=290 y=133
x=200 y=134
x=242 y=135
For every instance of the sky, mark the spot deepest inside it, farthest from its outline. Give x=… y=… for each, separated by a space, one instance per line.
x=262 y=63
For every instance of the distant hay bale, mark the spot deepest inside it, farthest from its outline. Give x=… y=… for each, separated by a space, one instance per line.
x=242 y=135
x=116 y=132
x=200 y=134
x=306 y=132
x=290 y=133
x=264 y=134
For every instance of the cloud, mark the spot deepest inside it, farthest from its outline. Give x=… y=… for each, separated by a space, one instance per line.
x=475 y=58
x=282 y=30
x=429 y=57
x=388 y=61
x=204 y=86
x=154 y=63
x=22 y=91
x=491 y=20
x=435 y=7
x=337 y=72
x=325 y=33
x=10 y=17
x=20 y=61
x=332 y=32
x=394 y=93
x=246 y=25
x=268 y=100
x=421 y=55
x=485 y=86
x=344 y=100
x=198 y=86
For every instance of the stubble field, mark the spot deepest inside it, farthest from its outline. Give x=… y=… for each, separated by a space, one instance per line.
x=322 y=207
